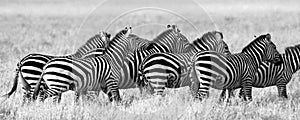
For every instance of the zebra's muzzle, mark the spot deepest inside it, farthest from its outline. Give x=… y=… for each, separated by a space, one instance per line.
x=278 y=60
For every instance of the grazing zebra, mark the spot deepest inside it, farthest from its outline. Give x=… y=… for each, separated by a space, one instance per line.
x=161 y=70
x=90 y=74
x=233 y=71
x=270 y=74
x=29 y=69
x=169 y=40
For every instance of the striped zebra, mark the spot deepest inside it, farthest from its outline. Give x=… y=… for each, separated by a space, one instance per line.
x=29 y=69
x=270 y=74
x=171 y=36
x=232 y=71
x=161 y=70
x=91 y=74
x=169 y=40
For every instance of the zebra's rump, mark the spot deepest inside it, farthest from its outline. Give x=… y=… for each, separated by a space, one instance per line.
x=62 y=72
x=218 y=70
x=162 y=70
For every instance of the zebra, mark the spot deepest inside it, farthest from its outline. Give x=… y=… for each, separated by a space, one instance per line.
x=232 y=71
x=90 y=74
x=29 y=68
x=270 y=74
x=170 y=40
x=161 y=70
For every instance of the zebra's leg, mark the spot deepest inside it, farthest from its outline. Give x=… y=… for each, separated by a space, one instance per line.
x=77 y=95
x=26 y=97
x=41 y=96
x=57 y=98
x=241 y=94
x=97 y=93
x=194 y=87
x=282 y=91
x=223 y=95
x=247 y=88
x=113 y=90
x=105 y=90
x=230 y=95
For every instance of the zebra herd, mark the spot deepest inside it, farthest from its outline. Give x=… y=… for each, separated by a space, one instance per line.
x=168 y=61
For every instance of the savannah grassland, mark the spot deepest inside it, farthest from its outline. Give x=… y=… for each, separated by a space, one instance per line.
x=53 y=27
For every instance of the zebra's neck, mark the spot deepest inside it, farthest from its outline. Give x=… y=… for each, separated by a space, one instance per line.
x=168 y=39
x=292 y=61
x=93 y=43
x=77 y=54
x=254 y=55
x=117 y=49
x=201 y=45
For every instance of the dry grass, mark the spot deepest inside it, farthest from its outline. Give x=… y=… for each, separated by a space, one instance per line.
x=52 y=28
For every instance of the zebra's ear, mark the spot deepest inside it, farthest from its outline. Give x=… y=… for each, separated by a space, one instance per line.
x=268 y=36
x=219 y=36
x=129 y=31
x=168 y=25
x=108 y=36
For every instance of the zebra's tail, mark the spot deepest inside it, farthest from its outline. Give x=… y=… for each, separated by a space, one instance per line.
x=194 y=77
x=15 y=84
x=37 y=88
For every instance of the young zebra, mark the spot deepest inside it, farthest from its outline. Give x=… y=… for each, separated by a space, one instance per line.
x=161 y=70
x=233 y=71
x=170 y=40
x=90 y=74
x=29 y=69
x=270 y=74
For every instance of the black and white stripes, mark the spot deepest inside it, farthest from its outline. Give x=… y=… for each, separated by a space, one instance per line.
x=29 y=69
x=270 y=74
x=92 y=74
x=233 y=71
x=161 y=70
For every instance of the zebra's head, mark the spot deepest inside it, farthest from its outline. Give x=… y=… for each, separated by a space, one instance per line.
x=226 y=49
x=182 y=43
x=263 y=49
x=210 y=41
x=123 y=34
x=174 y=27
x=105 y=37
x=222 y=46
x=272 y=54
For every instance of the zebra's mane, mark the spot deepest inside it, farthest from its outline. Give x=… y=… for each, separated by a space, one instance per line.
x=168 y=31
x=291 y=48
x=95 y=53
x=116 y=37
x=297 y=46
x=203 y=40
x=136 y=41
x=136 y=37
x=94 y=38
x=256 y=40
